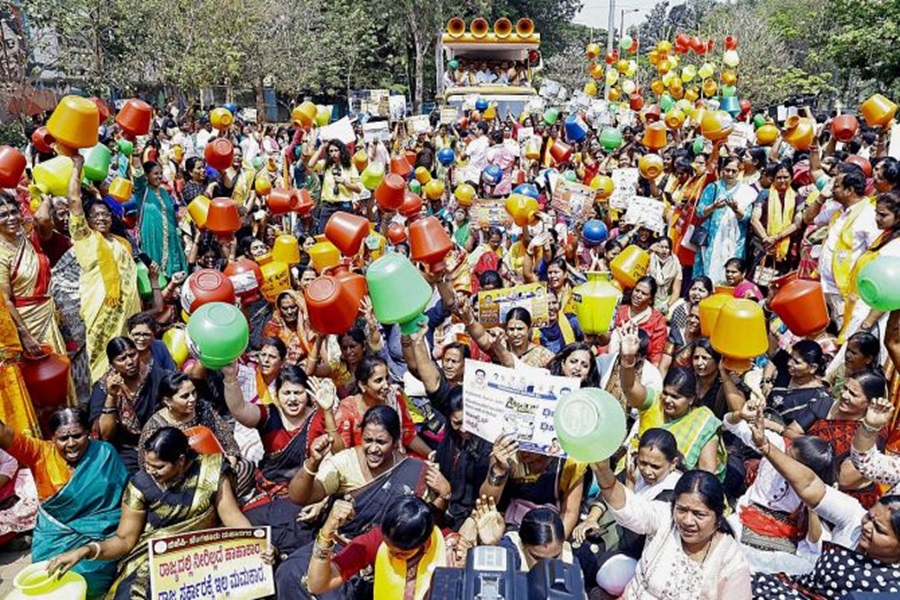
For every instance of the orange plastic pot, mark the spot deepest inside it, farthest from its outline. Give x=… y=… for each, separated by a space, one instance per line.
x=390 y=192
x=396 y=234
x=400 y=166
x=710 y=307
x=861 y=162
x=74 y=123
x=202 y=440
x=360 y=160
x=740 y=333
x=630 y=265
x=304 y=115
x=219 y=153
x=134 y=118
x=282 y=201
x=766 y=134
x=429 y=243
x=46 y=378
x=222 y=218
x=560 y=151
x=799 y=132
x=247 y=279
x=12 y=166
x=716 y=125
x=411 y=207
x=650 y=166
x=844 y=128
x=347 y=232
x=655 y=137
x=521 y=208
x=305 y=203
x=120 y=190
x=800 y=304
x=331 y=307
x=878 y=111
x=674 y=118
x=352 y=281
x=205 y=286
x=42 y=140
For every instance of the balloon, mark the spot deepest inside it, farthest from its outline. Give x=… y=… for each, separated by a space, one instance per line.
x=454 y=64
x=628 y=86
x=706 y=70
x=590 y=424
x=446 y=156
x=632 y=68
x=481 y=104
x=730 y=58
x=596 y=70
x=622 y=65
x=879 y=283
x=464 y=194
x=625 y=43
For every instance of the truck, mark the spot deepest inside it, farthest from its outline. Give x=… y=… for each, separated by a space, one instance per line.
x=495 y=64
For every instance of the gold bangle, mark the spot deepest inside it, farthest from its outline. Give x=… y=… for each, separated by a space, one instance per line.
x=96 y=550
x=308 y=471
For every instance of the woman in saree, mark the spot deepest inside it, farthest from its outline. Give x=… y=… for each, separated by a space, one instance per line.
x=25 y=283
x=666 y=271
x=799 y=382
x=511 y=345
x=864 y=552
x=775 y=221
x=836 y=421
x=374 y=475
x=157 y=221
x=678 y=351
x=182 y=409
x=640 y=311
x=15 y=404
x=124 y=399
x=724 y=210
x=109 y=294
x=341 y=369
x=79 y=484
x=290 y=323
x=178 y=492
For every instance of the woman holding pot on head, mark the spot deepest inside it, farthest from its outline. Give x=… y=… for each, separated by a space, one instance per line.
x=864 y=552
x=25 y=283
x=724 y=212
x=157 y=221
x=183 y=410
x=124 y=399
x=691 y=551
x=178 y=492
x=79 y=484
x=109 y=294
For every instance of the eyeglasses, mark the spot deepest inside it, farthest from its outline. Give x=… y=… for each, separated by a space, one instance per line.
x=9 y=215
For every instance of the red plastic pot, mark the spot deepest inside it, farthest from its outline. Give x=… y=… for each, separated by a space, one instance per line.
x=429 y=243
x=42 y=140
x=844 y=128
x=282 y=201
x=247 y=279
x=347 y=232
x=331 y=306
x=12 y=166
x=205 y=286
x=390 y=193
x=219 y=154
x=134 y=118
x=223 y=219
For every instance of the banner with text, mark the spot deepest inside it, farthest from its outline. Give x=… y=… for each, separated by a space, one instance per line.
x=213 y=563
x=521 y=402
x=494 y=304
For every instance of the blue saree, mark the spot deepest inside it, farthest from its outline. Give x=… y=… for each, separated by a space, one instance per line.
x=87 y=509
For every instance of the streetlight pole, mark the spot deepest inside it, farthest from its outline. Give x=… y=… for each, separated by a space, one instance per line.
x=610 y=34
x=622 y=20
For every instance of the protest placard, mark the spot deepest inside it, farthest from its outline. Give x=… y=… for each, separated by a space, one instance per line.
x=449 y=115
x=525 y=133
x=377 y=131
x=494 y=304
x=624 y=182
x=521 y=402
x=574 y=200
x=339 y=130
x=418 y=124
x=646 y=212
x=741 y=135
x=212 y=563
x=489 y=212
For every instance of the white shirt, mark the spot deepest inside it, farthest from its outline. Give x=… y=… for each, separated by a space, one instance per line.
x=865 y=231
x=769 y=490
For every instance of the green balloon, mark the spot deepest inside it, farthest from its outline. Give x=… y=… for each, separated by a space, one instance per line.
x=699 y=144
x=415 y=187
x=570 y=175
x=551 y=115
x=728 y=91
x=758 y=121
x=666 y=102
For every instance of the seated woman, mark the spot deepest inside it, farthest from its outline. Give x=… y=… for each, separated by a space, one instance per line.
x=79 y=485
x=836 y=422
x=374 y=474
x=375 y=389
x=290 y=324
x=666 y=271
x=519 y=481
x=562 y=328
x=700 y=288
x=576 y=360
x=864 y=552
x=691 y=551
x=182 y=410
x=404 y=549
x=805 y=366
x=540 y=535
x=772 y=524
x=861 y=353
x=678 y=351
x=341 y=369
x=651 y=473
x=124 y=399
x=284 y=428
x=178 y=492
x=627 y=374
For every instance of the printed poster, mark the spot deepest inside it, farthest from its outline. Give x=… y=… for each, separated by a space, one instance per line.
x=501 y=401
x=573 y=199
x=375 y=131
x=494 y=304
x=449 y=115
x=213 y=563
x=625 y=182
x=418 y=124
x=646 y=212
x=489 y=212
x=339 y=130
x=741 y=135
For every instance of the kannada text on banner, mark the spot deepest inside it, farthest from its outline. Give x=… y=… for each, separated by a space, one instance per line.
x=213 y=563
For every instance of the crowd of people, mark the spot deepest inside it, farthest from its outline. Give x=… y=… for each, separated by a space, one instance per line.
x=773 y=482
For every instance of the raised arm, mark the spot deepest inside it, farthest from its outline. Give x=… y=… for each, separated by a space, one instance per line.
x=634 y=390
x=245 y=413
x=871 y=463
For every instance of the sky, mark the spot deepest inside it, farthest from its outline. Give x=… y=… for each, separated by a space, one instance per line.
x=595 y=13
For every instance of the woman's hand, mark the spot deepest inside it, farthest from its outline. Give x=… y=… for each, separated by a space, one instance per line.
x=341 y=512
x=311 y=512
x=488 y=521
x=436 y=481
x=30 y=345
x=324 y=392
x=503 y=455
x=60 y=565
x=115 y=384
x=268 y=555
x=758 y=428
x=630 y=343
x=584 y=529
x=879 y=413
x=230 y=371
x=320 y=449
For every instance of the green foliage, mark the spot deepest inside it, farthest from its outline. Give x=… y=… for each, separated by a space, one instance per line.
x=12 y=134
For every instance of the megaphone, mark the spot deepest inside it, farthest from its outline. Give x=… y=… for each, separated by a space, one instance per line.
x=525 y=27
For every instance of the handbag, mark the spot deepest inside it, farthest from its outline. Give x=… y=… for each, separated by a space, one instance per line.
x=697 y=236
x=763 y=275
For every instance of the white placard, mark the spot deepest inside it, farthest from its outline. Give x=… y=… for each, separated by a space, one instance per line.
x=525 y=134
x=894 y=142
x=397 y=105
x=741 y=135
x=377 y=131
x=339 y=130
x=521 y=402
x=418 y=124
x=624 y=182
x=449 y=115
x=646 y=212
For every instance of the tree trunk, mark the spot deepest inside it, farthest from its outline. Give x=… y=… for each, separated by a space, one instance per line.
x=420 y=79
x=260 y=100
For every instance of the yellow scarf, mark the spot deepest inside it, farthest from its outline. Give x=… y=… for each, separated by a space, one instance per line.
x=780 y=215
x=109 y=270
x=262 y=389
x=842 y=259
x=390 y=572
